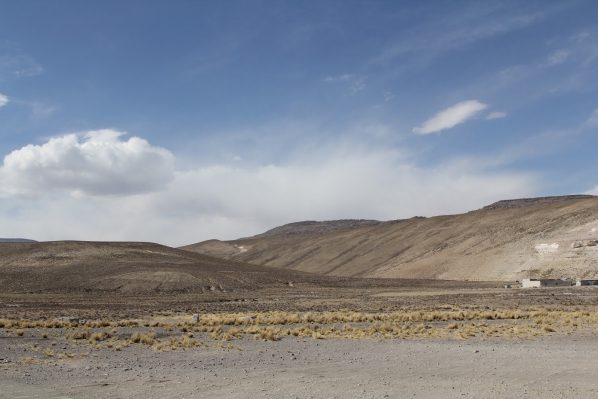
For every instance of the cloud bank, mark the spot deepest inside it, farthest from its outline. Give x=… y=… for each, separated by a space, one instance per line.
x=100 y=164
x=128 y=190
x=451 y=117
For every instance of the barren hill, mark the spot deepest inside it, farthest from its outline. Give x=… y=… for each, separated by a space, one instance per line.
x=515 y=239
x=127 y=267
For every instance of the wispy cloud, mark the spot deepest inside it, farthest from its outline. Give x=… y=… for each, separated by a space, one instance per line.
x=458 y=29
x=19 y=66
x=450 y=117
x=356 y=82
x=592 y=120
x=580 y=37
x=42 y=111
x=357 y=86
x=558 y=57
x=388 y=96
x=3 y=100
x=496 y=115
x=341 y=78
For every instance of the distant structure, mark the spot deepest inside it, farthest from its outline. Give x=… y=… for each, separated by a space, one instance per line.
x=537 y=283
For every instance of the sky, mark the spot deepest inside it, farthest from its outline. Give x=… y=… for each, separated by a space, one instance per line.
x=181 y=121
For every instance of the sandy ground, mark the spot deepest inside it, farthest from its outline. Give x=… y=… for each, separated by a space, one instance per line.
x=548 y=367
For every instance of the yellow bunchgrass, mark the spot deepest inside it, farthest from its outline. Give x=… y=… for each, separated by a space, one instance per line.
x=449 y=322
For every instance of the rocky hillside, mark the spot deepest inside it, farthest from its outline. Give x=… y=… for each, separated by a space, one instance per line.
x=545 y=237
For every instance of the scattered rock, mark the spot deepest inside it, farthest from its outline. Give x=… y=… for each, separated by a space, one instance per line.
x=585 y=243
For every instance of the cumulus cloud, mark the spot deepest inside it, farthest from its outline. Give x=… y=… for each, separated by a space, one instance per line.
x=98 y=164
x=451 y=117
x=3 y=100
x=496 y=115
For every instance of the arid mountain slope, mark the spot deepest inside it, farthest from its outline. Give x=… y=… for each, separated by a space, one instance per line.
x=501 y=243
x=215 y=248
x=65 y=266
x=313 y=228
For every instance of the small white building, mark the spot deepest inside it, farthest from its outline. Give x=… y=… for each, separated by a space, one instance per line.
x=530 y=283
x=537 y=283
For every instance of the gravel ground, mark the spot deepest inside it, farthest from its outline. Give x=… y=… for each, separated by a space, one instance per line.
x=548 y=367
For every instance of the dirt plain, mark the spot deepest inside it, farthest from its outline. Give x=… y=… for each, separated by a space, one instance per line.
x=114 y=320
x=445 y=341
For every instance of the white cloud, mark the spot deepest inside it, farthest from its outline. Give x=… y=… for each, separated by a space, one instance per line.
x=451 y=117
x=357 y=86
x=228 y=202
x=3 y=100
x=100 y=164
x=580 y=37
x=42 y=111
x=592 y=120
x=20 y=65
x=341 y=78
x=388 y=96
x=496 y=115
x=558 y=57
x=356 y=82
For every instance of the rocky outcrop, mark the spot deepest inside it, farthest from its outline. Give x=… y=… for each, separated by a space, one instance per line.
x=585 y=243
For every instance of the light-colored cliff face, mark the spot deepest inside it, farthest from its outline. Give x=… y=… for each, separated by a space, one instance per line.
x=491 y=244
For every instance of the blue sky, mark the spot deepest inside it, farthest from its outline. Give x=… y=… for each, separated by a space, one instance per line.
x=176 y=122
